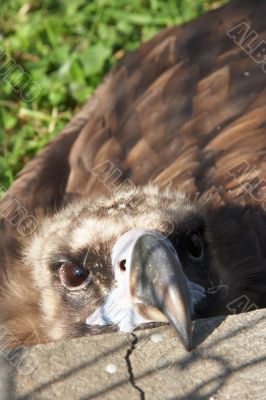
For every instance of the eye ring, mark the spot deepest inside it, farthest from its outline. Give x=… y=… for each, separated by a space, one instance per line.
x=194 y=246
x=73 y=276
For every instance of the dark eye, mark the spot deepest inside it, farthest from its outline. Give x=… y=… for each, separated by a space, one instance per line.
x=194 y=246
x=73 y=276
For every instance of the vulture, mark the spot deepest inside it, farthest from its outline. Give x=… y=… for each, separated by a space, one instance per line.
x=150 y=206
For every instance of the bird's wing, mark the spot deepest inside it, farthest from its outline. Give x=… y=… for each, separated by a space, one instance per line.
x=186 y=108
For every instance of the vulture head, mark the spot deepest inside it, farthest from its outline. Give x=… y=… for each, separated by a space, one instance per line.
x=124 y=262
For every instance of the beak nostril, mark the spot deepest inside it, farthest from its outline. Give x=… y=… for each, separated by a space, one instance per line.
x=122 y=265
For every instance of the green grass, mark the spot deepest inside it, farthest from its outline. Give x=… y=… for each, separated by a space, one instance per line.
x=66 y=47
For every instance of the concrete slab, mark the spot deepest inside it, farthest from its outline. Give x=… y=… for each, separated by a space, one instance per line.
x=229 y=362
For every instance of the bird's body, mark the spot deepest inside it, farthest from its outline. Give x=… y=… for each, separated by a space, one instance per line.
x=186 y=111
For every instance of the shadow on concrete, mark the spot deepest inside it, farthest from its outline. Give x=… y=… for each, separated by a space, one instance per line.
x=185 y=364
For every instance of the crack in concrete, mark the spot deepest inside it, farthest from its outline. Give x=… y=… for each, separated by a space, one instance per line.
x=129 y=366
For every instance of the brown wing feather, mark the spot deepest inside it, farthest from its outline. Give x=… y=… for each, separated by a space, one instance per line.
x=184 y=109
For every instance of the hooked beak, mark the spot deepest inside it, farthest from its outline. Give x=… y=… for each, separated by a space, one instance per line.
x=159 y=286
x=150 y=286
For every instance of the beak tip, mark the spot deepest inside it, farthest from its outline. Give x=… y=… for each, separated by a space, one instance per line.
x=188 y=344
x=185 y=336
